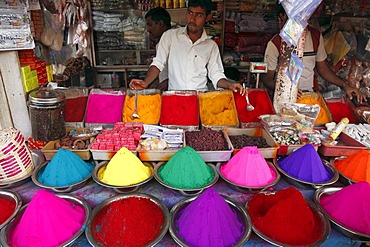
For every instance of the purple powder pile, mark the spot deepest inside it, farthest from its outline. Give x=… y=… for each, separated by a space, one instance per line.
x=210 y=221
x=305 y=164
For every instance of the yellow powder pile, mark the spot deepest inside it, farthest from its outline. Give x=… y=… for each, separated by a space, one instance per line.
x=217 y=108
x=323 y=116
x=148 y=108
x=124 y=169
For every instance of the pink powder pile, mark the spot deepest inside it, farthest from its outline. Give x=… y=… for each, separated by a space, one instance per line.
x=350 y=207
x=47 y=221
x=248 y=168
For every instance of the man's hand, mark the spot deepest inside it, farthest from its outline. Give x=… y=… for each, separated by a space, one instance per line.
x=137 y=84
x=236 y=87
x=361 y=97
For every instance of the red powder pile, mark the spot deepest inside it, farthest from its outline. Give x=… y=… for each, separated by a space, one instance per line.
x=285 y=217
x=128 y=222
x=180 y=110
x=74 y=110
x=340 y=110
x=6 y=209
x=261 y=102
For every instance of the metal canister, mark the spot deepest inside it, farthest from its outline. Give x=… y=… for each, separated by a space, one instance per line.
x=46 y=109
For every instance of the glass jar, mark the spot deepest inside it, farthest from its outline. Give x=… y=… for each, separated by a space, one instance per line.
x=46 y=113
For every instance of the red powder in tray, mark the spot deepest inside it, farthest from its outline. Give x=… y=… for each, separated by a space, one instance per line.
x=261 y=102
x=6 y=209
x=340 y=110
x=180 y=110
x=74 y=110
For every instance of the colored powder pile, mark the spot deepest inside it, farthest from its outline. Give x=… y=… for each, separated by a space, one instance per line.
x=128 y=222
x=248 y=168
x=340 y=110
x=350 y=207
x=323 y=116
x=64 y=169
x=180 y=110
x=124 y=169
x=7 y=207
x=217 y=108
x=306 y=165
x=48 y=221
x=261 y=102
x=148 y=108
x=74 y=109
x=209 y=221
x=285 y=217
x=104 y=107
x=355 y=167
x=186 y=170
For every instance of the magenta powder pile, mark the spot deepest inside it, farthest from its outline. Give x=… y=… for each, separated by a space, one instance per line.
x=350 y=207
x=248 y=168
x=209 y=221
x=305 y=164
x=48 y=221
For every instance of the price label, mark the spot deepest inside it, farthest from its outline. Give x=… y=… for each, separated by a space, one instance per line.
x=258 y=67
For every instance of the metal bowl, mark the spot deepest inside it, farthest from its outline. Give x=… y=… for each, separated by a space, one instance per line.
x=239 y=209
x=120 y=197
x=37 y=159
x=325 y=225
x=342 y=178
x=341 y=228
x=299 y=182
x=7 y=231
x=61 y=189
x=14 y=196
x=120 y=189
x=250 y=189
x=186 y=192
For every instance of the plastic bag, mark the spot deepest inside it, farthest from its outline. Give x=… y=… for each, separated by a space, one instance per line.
x=292 y=31
x=295 y=68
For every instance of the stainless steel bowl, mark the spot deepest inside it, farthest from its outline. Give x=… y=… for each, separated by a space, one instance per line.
x=341 y=228
x=239 y=209
x=250 y=189
x=37 y=159
x=325 y=225
x=186 y=192
x=7 y=231
x=14 y=196
x=342 y=178
x=61 y=189
x=120 y=197
x=120 y=189
x=299 y=182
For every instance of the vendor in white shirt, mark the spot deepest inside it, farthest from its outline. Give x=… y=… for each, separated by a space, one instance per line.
x=190 y=54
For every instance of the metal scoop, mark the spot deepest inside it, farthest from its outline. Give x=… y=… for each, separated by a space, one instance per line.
x=135 y=115
x=249 y=106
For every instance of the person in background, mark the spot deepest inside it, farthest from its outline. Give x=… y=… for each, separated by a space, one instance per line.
x=314 y=59
x=190 y=54
x=158 y=20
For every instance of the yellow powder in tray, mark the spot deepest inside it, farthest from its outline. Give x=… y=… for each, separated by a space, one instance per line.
x=217 y=108
x=148 y=108
x=323 y=116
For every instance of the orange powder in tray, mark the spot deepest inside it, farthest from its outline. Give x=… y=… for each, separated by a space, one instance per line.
x=148 y=108
x=217 y=108
x=323 y=116
x=355 y=167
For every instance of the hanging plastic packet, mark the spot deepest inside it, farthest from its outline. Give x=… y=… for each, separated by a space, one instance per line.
x=302 y=9
x=295 y=68
x=292 y=31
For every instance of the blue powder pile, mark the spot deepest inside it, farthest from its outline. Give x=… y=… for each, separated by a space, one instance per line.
x=64 y=169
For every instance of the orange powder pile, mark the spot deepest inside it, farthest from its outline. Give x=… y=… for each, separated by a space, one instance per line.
x=355 y=167
x=148 y=108
x=217 y=108
x=323 y=116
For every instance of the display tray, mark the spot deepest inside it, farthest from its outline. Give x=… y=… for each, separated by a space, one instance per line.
x=346 y=147
x=156 y=155
x=288 y=149
x=267 y=153
x=105 y=154
x=75 y=124
x=318 y=97
x=342 y=107
x=49 y=151
x=216 y=156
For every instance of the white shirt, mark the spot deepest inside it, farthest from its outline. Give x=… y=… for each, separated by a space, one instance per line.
x=163 y=75
x=306 y=81
x=188 y=63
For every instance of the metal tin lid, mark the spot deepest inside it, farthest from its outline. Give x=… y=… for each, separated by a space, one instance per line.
x=45 y=96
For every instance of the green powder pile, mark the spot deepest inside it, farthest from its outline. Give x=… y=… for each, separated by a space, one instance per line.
x=186 y=170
